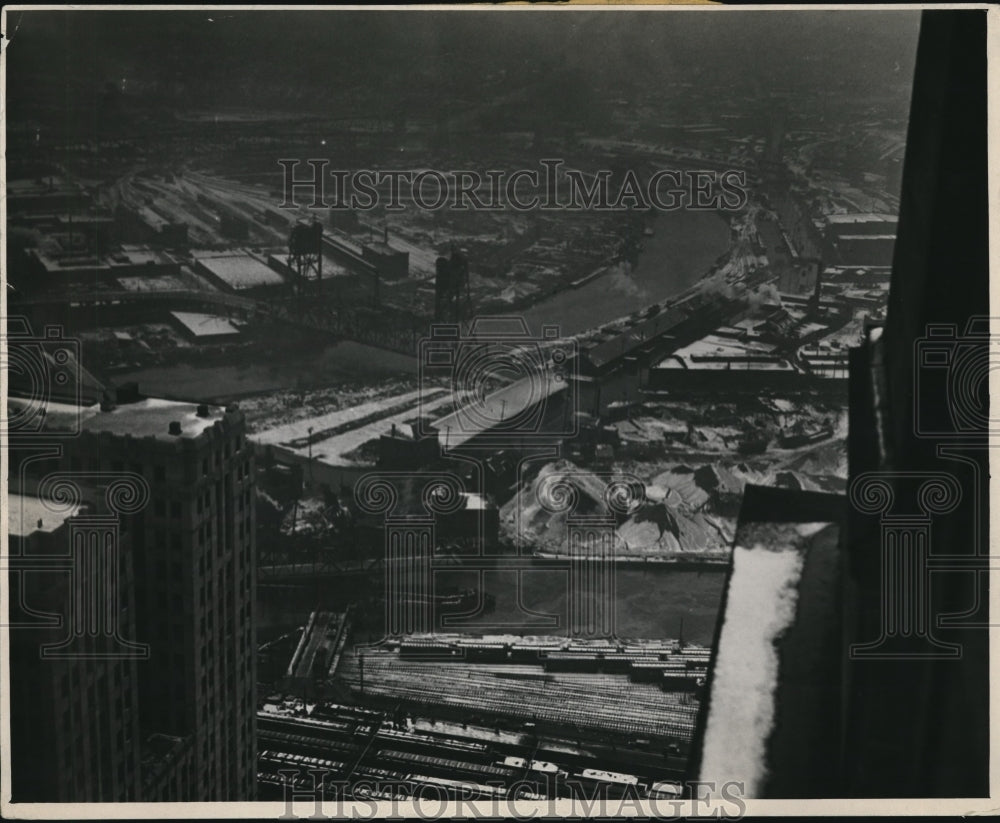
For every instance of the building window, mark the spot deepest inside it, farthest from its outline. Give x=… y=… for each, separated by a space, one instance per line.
x=159 y=474
x=175 y=510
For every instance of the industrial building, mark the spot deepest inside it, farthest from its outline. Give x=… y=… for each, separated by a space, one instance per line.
x=237 y=271
x=143 y=224
x=861 y=239
x=205 y=328
x=57 y=266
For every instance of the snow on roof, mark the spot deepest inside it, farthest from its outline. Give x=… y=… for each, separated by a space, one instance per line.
x=474 y=417
x=351 y=427
x=204 y=325
x=239 y=271
x=715 y=352
x=861 y=217
x=27 y=515
x=760 y=606
x=150 y=418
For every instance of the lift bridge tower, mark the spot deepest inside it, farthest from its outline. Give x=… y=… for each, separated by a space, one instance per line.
x=305 y=253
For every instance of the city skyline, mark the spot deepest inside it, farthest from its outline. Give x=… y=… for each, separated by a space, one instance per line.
x=553 y=406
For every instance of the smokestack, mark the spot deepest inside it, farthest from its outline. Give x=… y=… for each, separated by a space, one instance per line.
x=175 y=427
x=202 y=410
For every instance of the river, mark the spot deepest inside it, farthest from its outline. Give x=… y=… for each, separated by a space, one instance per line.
x=681 y=251
x=650 y=602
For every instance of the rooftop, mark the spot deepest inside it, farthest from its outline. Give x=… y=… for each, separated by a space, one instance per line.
x=27 y=515
x=717 y=352
x=340 y=432
x=152 y=418
x=146 y=418
x=54 y=259
x=379 y=247
x=238 y=270
x=861 y=217
x=770 y=666
x=470 y=419
x=205 y=325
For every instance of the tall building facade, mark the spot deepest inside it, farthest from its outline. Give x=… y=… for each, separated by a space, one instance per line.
x=193 y=580
x=74 y=719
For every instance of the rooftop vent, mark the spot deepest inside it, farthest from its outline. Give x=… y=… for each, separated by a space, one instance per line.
x=175 y=427
x=202 y=410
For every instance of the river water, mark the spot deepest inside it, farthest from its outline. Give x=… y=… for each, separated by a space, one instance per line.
x=650 y=602
x=680 y=252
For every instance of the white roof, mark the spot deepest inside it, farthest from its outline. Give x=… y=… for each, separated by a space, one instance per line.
x=204 y=325
x=240 y=271
x=27 y=515
x=861 y=217
x=761 y=602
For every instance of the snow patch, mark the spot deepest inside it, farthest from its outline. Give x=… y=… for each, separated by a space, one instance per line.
x=760 y=607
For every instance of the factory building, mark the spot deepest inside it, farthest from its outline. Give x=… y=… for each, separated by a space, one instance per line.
x=861 y=239
x=144 y=225
x=235 y=270
x=205 y=328
x=56 y=265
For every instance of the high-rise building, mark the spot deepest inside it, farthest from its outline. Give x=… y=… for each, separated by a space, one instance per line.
x=74 y=720
x=192 y=552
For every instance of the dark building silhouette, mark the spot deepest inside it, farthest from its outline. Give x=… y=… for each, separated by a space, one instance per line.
x=880 y=686
x=188 y=581
x=74 y=716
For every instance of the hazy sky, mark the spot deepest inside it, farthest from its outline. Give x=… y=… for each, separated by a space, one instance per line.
x=208 y=55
